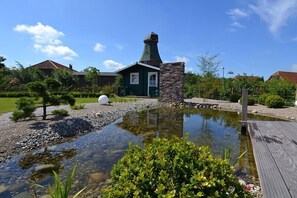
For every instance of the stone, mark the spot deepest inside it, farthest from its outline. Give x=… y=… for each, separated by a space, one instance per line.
x=97 y=177
x=254 y=111
x=2 y=189
x=45 y=167
x=2 y=149
x=242 y=182
x=46 y=196
x=69 y=122
x=24 y=195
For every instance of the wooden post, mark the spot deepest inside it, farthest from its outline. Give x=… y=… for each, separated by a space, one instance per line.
x=244 y=111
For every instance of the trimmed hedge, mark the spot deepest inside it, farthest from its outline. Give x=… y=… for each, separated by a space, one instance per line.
x=28 y=94
x=274 y=101
x=173 y=168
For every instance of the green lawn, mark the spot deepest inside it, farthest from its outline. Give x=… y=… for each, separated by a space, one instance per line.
x=118 y=99
x=7 y=105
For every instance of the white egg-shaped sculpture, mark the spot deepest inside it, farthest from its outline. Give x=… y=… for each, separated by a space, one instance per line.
x=296 y=103
x=103 y=99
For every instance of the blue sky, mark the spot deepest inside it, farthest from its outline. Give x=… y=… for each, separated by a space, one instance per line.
x=256 y=37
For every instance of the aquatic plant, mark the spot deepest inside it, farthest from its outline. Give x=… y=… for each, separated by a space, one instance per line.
x=62 y=189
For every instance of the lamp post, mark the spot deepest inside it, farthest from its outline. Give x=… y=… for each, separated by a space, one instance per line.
x=223 y=82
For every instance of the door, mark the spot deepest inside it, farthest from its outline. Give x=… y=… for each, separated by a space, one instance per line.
x=152 y=84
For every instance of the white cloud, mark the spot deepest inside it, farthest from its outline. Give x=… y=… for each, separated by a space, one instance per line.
x=52 y=50
x=237 y=25
x=42 y=34
x=237 y=13
x=99 y=47
x=47 y=40
x=181 y=59
x=275 y=13
x=111 y=64
x=189 y=69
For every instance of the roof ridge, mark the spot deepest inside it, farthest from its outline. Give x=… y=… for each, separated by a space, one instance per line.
x=53 y=64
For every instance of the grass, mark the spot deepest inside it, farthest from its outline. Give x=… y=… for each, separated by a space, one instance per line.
x=7 y=105
x=118 y=99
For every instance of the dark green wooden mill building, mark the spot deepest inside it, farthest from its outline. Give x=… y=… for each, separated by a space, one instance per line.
x=142 y=78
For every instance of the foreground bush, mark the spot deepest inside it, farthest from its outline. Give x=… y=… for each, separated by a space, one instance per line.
x=26 y=107
x=172 y=168
x=274 y=101
x=262 y=98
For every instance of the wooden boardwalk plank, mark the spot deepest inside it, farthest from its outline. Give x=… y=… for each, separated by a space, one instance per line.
x=282 y=151
x=271 y=180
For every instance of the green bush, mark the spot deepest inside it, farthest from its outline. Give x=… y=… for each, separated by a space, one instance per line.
x=251 y=100
x=274 y=101
x=26 y=107
x=172 y=168
x=77 y=106
x=262 y=98
x=60 y=112
x=234 y=97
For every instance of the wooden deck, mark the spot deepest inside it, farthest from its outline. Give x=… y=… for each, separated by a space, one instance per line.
x=275 y=150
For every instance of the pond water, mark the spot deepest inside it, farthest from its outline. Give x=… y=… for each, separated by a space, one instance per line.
x=95 y=153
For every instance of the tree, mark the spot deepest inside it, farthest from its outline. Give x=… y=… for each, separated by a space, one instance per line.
x=43 y=90
x=208 y=65
x=2 y=59
x=67 y=79
x=26 y=75
x=92 y=75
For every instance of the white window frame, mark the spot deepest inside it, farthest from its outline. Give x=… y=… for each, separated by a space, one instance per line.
x=136 y=81
x=149 y=75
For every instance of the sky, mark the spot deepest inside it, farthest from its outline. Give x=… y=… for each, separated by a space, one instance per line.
x=252 y=37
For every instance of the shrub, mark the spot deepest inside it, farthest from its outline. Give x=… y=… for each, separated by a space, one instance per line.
x=78 y=106
x=251 y=100
x=234 y=97
x=60 y=112
x=26 y=107
x=263 y=97
x=172 y=168
x=274 y=101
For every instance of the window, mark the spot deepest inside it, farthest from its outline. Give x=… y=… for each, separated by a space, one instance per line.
x=153 y=80
x=134 y=78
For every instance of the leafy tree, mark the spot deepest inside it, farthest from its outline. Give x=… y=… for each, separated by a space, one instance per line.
x=67 y=79
x=209 y=65
x=26 y=75
x=44 y=89
x=284 y=89
x=2 y=59
x=92 y=75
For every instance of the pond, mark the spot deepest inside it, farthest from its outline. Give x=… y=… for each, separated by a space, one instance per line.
x=95 y=153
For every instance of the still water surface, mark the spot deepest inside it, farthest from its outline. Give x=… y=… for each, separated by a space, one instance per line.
x=96 y=152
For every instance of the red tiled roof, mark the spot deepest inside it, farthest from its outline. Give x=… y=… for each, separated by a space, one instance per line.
x=288 y=76
x=51 y=65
